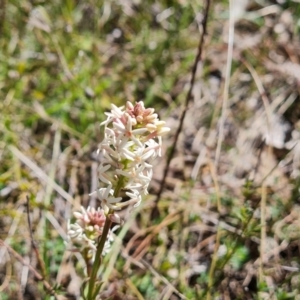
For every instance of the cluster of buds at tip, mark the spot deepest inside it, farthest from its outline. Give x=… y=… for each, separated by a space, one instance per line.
x=132 y=139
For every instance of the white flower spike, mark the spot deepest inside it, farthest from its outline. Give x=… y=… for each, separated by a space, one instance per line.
x=132 y=139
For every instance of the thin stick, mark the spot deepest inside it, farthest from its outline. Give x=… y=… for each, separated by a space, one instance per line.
x=8 y=275
x=226 y=85
x=35 y=272
x=187 y=100
x=162 y=278
x=263 y=202
x=40 y=173
x=213 y=263
x=33 y=244
x=262 y=92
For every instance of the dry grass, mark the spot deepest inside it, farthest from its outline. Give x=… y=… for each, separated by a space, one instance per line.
x=227 y=223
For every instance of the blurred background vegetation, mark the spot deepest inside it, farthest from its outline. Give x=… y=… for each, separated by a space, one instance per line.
x=228 y=226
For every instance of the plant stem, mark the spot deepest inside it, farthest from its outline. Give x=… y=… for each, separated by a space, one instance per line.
x=100 y=247
x=98 y=257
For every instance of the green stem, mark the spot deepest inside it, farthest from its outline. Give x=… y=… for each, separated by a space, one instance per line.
x=100 y=247
x=98 y=257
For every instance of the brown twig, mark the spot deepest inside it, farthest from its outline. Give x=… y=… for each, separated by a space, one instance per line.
x=143 y=246
x=162 y=278
x=33 y=244
x=187 y=100
x=35 y=272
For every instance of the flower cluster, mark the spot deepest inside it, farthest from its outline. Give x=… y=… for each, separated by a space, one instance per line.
x=88 y=228
x=132 y=139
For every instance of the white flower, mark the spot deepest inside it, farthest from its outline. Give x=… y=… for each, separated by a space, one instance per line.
x=132 y=139
x=105 y=195
x=102 y=173
x=85 y=232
